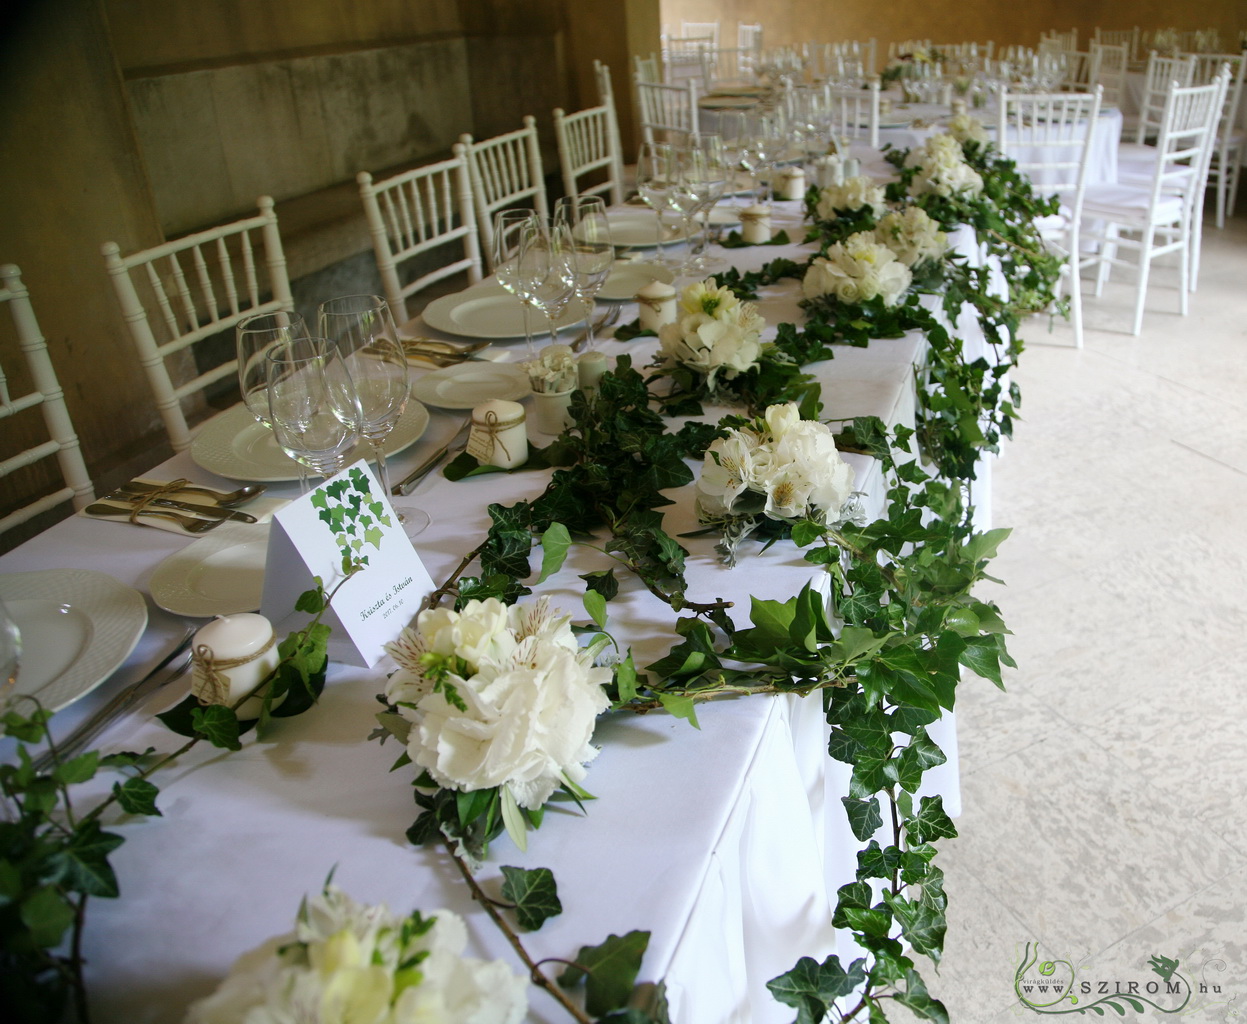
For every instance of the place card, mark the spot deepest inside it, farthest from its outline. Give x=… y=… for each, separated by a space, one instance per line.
x=346 y=518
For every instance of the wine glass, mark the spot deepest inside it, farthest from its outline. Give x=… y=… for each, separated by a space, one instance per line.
x=363 y=330
x=312 y=403
x=654 y=181
x=255 y=338
x=593 y=254
x=705 y=170
x=508 y=233
x=732 y=131
x=545 y=268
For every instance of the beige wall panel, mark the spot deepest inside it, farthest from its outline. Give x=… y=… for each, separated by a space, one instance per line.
x=153 y=33
x=216 y=139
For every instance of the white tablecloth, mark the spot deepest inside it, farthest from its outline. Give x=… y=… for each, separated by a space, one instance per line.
x=726 y=842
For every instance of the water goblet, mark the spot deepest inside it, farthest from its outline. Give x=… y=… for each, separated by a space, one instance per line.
x=363 y=330
x=504 y=255
x=593 y=253
x=313 y=406
x=255 y=338
x=545 y=268
x=654 y=182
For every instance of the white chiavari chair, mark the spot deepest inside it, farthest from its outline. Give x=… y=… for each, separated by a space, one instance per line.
x=1109 y=62
x=1160 y=212
x=667 y=111
x=47 y=396
x=1049 y=136
x=749 y=37
x=413 y=215
x=588 y=144
x=1161 y=72
x=854 y=113
x=181 y=294
x=730 y=67
x=683 y=60
x=505 y=171
x=1227 y=149
x=702 y=30
x=1127 y=37
x=647 y=69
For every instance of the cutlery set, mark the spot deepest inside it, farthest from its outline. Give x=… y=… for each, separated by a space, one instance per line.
x=141 y=498
x=441 y=353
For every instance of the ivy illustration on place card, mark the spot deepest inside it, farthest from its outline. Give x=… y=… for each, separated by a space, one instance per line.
x=348 y=508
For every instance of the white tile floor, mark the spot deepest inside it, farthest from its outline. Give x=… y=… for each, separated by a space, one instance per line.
x=1105 y=794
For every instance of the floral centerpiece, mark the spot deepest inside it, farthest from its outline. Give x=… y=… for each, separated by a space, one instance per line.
x=715 y=334
x=854 y=205
x=860 y=269
x=913 y=236
x=770 y=474
x=502 y=699
x=346 y=961
x=942 y=169
x=967 y=128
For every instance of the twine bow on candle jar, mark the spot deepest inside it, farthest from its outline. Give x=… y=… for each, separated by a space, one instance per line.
x=231 y=657
x=210 y=686
x=755 y=224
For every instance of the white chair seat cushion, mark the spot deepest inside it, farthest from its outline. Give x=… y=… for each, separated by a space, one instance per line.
x=1124 y=203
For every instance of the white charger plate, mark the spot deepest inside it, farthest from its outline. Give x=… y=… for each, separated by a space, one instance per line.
x=77 y=627
x=237 y=446
x=635 y=228
x=627 y=277
x=490 y=311
x=466 y=385
x=222 y=573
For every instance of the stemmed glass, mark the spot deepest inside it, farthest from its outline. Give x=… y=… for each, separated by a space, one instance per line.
x=654 y=181
x=363 y=330
x=545 y=269
x=593 y=254
x=256 y=336
x=312 y=403
x=704 y=171
x=732 y=131
x=505 y=257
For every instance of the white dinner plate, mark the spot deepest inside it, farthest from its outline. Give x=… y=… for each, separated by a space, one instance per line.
x=627 y=277
x=222 y=573
x=77 y=627
x=466 y=385
x=237 y=446
x=490 y=311
x=634 y=228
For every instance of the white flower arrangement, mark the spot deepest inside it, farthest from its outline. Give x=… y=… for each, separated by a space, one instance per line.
x=715 y=334
x=856 y=194
x=347 y=961
x=780 y=468
x=942 y=169
x=967 y=128
x=498 y=696
x=913 y=235
x=857 y=270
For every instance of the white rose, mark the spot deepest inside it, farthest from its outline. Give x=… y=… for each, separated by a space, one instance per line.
x=782 y=418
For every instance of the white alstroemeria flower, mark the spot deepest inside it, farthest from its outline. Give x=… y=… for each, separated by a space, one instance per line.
x=913 y=235
x=727 y=472
x=708 y=298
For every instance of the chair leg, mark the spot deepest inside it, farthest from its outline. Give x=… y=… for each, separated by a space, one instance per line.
x=1222 y=181
x=1108 y=252
x=1145 y=267
x=1195 y=241
x=1185 y=272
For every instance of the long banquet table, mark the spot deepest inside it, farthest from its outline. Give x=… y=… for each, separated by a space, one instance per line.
x=726 y=842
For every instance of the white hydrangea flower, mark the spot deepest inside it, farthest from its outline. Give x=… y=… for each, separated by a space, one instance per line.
x=942 y=169
x=531 y=698
x=344 y=961
x=855 y=194
x=858 y=270
x=913 y=235
x=967 y=127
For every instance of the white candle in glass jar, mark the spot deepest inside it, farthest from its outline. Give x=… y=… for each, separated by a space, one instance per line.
x=591 y=367
x=499 y=434
x=792 y=183
x=656 y=302
x=755 y=224
x=231 y=656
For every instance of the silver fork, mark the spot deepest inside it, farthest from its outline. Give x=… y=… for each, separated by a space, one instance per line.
x=605 y=320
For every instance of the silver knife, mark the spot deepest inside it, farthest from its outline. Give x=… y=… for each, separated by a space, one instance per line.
x=407 y=484
x=209 y=511
x=118 y=706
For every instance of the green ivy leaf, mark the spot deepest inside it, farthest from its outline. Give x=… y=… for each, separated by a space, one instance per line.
x=609 y=971
x=534 y=894
x=603 y=581
x=626 y=679
x=80 y=769
x=930 y=822
x=83 y=861
x=137 y=796
x=679 y=706
x=865 y=818
x=916 y=997
x=812 y=988
x=47 y=915
x=218 y=725
x=555 y=542
x=595 y=605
